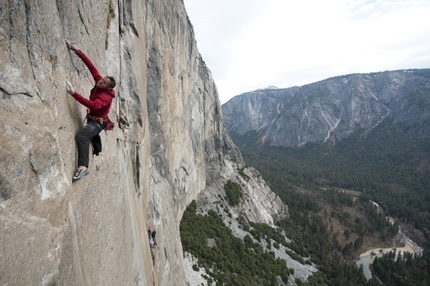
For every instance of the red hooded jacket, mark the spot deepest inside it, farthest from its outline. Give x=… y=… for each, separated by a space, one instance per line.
x=100 y=99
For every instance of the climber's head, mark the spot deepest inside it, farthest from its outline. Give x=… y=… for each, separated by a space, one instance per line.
x=107 y=82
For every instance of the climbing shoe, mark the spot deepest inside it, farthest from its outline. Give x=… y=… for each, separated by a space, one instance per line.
x=80 y=173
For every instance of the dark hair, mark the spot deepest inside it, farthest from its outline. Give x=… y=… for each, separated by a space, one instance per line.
x=112 y=82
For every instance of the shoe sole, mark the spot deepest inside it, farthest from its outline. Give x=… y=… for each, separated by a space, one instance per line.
x=77 y=179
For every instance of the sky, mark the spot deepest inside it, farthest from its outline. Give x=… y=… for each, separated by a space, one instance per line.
x=253 y=44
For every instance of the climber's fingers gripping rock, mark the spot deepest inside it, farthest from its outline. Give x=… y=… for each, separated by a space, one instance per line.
x=70 y=88
x=72 y=45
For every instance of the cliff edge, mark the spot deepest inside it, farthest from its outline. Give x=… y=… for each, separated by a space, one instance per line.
x=169 y=143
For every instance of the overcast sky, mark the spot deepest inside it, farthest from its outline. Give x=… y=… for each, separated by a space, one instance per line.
x=252 y=44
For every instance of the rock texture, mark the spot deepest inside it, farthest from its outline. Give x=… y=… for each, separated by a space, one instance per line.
x=333 y=109
x=169 y=145
x=260 y=205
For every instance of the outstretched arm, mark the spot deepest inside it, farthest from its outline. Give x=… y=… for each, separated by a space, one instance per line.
x=91 y=104
x=93 y=70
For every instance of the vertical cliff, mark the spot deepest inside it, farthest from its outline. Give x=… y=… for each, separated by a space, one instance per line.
x=169 y=144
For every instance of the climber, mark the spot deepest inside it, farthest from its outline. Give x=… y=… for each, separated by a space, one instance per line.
x=152 y=244
x=149 y=232
x=153 y=237
x=98 y=106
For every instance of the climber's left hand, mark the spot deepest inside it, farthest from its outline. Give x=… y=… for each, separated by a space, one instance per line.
x=70 y=88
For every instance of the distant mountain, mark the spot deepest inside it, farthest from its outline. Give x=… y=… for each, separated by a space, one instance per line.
x=333 y=109
x=365 y=132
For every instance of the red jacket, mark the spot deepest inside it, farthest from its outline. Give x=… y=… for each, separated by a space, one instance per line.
x=100 y=99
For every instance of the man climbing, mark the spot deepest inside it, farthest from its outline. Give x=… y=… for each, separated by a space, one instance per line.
x=153 y=237
x=149 y=232
x=98 y=106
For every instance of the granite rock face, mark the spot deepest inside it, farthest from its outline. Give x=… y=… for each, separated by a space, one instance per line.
x=334 y=108
x=259 y=205
x=169 y=144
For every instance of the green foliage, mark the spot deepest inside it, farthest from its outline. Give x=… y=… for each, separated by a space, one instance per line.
x=242 y=173
x=234 y=192
x=384 y=167
x=295 y=256
x=373 y=166
x=347 y=234
x=403 y=270
x=231 y=261
x=387 y=166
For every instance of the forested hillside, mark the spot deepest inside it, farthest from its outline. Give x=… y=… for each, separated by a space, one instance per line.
x=384 y=165
x=334 y=149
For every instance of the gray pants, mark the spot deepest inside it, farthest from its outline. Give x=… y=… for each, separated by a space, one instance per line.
x=90 y=133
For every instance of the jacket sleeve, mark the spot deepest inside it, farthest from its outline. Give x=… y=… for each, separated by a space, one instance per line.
x=93 y=105
x=93 y=70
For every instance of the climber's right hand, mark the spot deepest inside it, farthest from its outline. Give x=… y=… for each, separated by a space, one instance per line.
x=71 y=45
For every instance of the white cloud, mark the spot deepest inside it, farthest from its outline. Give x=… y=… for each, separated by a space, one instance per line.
x=254 y=44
